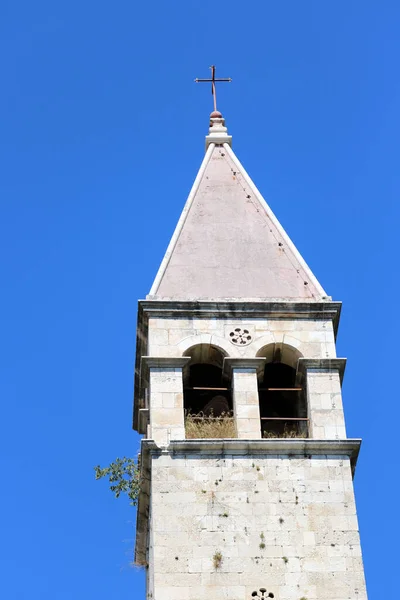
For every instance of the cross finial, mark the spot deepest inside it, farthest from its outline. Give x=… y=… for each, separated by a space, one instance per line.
x=213 y=81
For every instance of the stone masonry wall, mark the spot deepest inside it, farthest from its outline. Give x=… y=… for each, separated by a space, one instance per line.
x=166 y=405
x=246 y=404
x=285 y=523
x=324 y=397
x=314 y=338
x=311 y=338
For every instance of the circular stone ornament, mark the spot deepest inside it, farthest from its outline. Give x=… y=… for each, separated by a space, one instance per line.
x=240 y=337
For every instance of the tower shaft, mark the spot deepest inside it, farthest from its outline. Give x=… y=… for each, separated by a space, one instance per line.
x=246 y=467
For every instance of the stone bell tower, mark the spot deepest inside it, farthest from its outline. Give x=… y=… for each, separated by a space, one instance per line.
x=246 y=468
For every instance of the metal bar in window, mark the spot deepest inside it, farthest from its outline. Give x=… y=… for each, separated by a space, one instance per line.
x=210 y=418
x=292 y=389
x=216 y=389
x=284 y=419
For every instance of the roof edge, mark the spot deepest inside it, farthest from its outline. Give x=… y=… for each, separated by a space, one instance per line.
x=181 y=222
x=275 y=221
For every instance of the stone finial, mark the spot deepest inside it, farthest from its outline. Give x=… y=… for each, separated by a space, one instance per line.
x=218 y=133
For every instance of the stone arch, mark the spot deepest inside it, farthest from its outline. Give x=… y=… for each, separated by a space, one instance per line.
x=222 y=344
x=260 y=342
x=283 y=406
x=292 y=338
x=206 y=354
x=280 y=352
x=207 y=390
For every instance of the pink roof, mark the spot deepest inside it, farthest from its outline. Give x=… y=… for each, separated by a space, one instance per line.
x=228 y=243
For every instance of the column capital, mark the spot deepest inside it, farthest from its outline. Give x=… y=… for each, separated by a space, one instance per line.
x=161 y=362
x=322 y=364
x=243 y=363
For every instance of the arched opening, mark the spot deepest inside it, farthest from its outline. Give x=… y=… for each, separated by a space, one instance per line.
x=207 y=394
x=283 y=406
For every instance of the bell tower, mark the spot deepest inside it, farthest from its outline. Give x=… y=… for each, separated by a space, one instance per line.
x=246 y=469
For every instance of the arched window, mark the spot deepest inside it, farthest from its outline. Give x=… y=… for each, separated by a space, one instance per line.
x=207 y=394
x=283 y=406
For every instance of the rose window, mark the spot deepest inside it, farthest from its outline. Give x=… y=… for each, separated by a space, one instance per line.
x=240 y=337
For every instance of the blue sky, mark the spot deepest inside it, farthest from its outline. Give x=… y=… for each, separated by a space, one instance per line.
x=102 y=135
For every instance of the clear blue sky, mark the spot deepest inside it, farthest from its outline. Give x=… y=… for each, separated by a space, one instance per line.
x=102 y=135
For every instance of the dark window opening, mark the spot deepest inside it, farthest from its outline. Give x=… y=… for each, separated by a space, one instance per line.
x=207 y=395
x=206 y=392
x=283 y=407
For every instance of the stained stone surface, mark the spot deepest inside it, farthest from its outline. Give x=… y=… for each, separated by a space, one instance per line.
x=283 y=522
x=280 y=520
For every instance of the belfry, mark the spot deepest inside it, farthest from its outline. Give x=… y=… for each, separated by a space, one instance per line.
x=246 y=470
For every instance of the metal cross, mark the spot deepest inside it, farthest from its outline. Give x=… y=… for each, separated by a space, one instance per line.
x=213 y=81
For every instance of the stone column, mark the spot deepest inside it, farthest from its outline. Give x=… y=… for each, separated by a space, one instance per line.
x=164 y=376
x=323 y=378
x=246 y=406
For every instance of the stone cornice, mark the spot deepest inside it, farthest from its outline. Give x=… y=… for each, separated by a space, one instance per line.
x=290 y=446
x=219 y=447
x=242 y=363
x=322 y=364
x=250 y=308
x=161 y=362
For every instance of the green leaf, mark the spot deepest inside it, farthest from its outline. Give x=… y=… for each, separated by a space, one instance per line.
x=125 y=474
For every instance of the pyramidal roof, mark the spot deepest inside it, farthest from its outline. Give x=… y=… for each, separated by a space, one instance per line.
x=228 y=244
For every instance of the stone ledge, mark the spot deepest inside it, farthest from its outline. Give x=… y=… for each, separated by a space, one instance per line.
x=240 y=308
x=161 y=362
x=144 y=419
x=322 y=364
x=242 y=363
x=348 y=447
